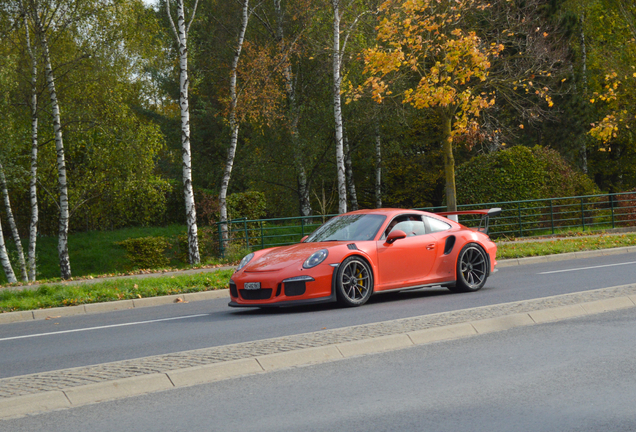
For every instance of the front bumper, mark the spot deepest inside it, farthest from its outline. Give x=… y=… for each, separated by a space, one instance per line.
x=284 y=287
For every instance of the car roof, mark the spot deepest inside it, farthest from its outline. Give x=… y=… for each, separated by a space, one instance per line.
x=390 y=212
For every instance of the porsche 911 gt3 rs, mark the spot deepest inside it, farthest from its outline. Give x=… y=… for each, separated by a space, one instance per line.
x=355 y=255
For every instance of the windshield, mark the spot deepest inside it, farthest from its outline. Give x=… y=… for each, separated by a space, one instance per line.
x=356 y=227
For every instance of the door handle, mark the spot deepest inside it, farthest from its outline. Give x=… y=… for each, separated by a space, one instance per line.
x=430 y=246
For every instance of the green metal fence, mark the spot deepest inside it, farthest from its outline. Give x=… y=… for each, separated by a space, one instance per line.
x=517 y=219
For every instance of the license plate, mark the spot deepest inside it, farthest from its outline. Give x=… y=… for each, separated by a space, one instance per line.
x=252 y=285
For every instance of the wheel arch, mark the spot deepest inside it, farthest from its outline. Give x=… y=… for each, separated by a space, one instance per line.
x=369 y=262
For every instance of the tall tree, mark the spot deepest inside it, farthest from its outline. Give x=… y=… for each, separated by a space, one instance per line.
x=33 y=196
x=426 y=40
x=181 y=34
x=233 y=117
x=43 y=18
x=337 y=54
x=12 y=225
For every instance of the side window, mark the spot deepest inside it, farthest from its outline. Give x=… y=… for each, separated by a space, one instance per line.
x=436 y=225
x=412 y=225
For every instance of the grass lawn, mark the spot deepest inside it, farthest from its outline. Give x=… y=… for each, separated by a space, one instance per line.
x=47 y=296
x=94 y=252
x=563 y=245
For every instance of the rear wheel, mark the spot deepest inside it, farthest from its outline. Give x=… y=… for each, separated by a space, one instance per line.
x=354 y=283
x=472 y=269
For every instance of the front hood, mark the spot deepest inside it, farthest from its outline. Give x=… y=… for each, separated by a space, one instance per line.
x=285 y=256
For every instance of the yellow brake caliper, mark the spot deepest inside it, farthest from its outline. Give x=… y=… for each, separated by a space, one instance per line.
x=360 y=281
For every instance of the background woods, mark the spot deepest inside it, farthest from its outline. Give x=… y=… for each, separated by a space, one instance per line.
x=117 y=114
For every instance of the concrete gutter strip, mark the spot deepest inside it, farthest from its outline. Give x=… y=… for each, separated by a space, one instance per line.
x=10 y=317
x=29 y=394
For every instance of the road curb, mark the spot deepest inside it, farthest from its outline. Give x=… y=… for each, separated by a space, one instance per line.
x=19 y=406
x=118 y=389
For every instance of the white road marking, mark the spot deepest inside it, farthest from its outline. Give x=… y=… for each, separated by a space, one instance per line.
x=100 y=327
x=588 y=268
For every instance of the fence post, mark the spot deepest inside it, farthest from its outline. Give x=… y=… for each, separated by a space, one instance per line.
x=520 y=228
x=221 y=247
x=611 y=200
x=247 y=237
x=262 y=237
x=552 y=216
x=302 y=228
x=582 y=215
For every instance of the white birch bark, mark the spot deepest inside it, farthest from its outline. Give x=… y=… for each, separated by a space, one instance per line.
x=351 y=186
x=337 y=109
x=290 y=89
x=62 y=247
x=583 y=149
x=181 y=33
x=12 y=225
x=378 y=166
x=33 y=225
x=234 y=122
x=4 y=259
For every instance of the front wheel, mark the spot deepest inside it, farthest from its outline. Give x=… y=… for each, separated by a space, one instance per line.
x=472 y=269
x=354 y=283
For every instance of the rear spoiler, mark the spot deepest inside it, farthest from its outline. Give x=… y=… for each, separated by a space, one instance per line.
x=486 y=214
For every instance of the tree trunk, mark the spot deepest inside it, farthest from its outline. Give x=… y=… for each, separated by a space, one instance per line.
x=33 y=225
x=184 y=101
x=449 y=163
x=12 y=225
x=303 y=184
x=583 y=149
x=349 y=175
x=62 y=247
x=234 y=122
x=4 y=259
x=378 y=166
x=337 y=109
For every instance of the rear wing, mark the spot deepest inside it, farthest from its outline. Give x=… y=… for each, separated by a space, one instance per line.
x=486 y=214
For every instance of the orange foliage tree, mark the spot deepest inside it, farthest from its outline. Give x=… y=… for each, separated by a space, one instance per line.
x=423 y=49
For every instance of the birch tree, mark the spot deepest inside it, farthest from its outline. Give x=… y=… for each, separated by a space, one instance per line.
x=338 y=51
x=181 y=34
x=351 y=186
x=33 y=196
x=42 y=24
x=337 y=54
x=233 y=119
x=12 y=224
x=378 y=165
x=4 y=259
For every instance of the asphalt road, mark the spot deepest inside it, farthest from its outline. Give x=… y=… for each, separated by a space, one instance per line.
x=574 y=375
x=36 y=346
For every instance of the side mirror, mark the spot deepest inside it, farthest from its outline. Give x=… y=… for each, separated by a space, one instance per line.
x=395 y=235
x=302 y=240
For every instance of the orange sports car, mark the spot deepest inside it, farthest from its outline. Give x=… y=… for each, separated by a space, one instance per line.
x=355 y=255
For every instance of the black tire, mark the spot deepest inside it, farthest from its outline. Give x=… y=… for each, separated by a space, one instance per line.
x=472 y=269
x=354 y=282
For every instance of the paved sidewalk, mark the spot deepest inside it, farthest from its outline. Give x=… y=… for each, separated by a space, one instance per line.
x=66 y=388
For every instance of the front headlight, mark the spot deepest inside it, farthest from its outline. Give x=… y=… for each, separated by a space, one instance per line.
x=315 y=258
x=247 y=258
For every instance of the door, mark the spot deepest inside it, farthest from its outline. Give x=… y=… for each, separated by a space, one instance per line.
x=406 y=262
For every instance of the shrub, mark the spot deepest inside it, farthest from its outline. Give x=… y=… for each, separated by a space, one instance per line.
x=519 y=174
x=146 y=252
